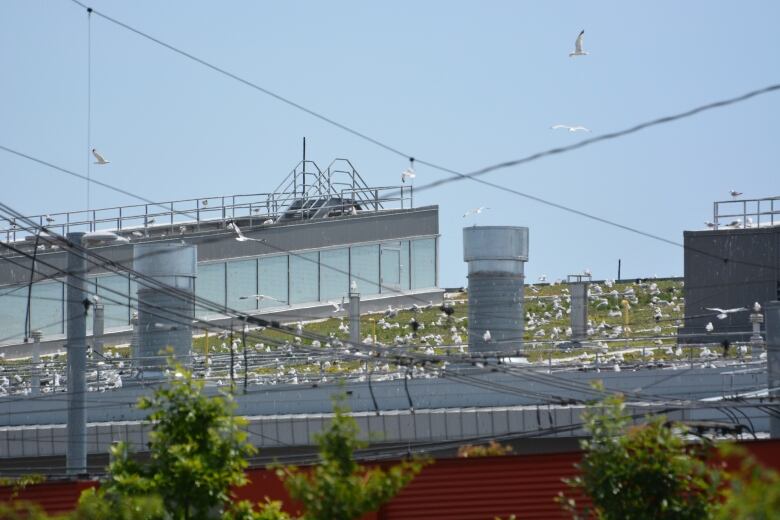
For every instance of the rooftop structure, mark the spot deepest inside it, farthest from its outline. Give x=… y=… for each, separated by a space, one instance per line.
x=292 y=252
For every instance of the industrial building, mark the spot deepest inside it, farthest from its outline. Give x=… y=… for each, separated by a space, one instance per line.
x=290 y=253
x=733 y=264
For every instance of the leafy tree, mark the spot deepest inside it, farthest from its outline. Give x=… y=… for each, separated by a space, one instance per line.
x=338 y=488
x=754 y=493
x=197 y=452
x=640 y=472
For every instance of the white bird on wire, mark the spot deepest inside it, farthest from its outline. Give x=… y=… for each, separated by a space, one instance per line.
x=723 y=313
x=578 y=46
x=735 y=193
x=475 y=211
x=572 y=129
x=709 y=327
x=408 y=173
x=99 y=158
x=241 y=237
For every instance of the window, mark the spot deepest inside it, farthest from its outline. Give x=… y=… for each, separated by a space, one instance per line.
x=114 y=293
x=242 y=281
x=365 y=268
x=424 y=263
x=272 y=279
x=304 y=277
x=210 y=285
x=405 y=263
x=13 y=305
x=334 y=274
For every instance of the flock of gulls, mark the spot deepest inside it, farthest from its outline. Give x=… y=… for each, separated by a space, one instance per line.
x=631 y=327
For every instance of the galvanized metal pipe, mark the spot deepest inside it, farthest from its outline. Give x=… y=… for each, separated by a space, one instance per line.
x=77 y=305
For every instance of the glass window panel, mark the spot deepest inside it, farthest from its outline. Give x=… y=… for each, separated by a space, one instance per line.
x=272 y=278
x=405 y=274
x=210 y=285
x=391 y=268
x=365 y=268
x=334 y=274
x=424 y=263
x=13 y=306
x=242 y=281
x=304 y=277
x=114 y=290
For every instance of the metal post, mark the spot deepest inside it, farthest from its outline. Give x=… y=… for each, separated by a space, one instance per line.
x=97 y=326
x=76 y=449
x=35 y=381
x=756 y=318
x=354 y=317
x=772 y=315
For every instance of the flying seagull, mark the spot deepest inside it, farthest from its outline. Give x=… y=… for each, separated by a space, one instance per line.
x=100 y=160
x=571 y=129
x=475 y=211
x=241 y=237
x=578 y=46
x=259 y=297
x=408 y=174
x=735 y=193
x=723 y=313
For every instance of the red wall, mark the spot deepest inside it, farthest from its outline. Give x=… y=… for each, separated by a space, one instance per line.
x=480 y=488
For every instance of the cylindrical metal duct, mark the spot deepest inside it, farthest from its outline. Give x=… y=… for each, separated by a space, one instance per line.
x=578 y=287
x=165 y=314
x=496 y=256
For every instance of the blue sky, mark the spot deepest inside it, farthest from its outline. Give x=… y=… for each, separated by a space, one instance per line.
x=462 y=84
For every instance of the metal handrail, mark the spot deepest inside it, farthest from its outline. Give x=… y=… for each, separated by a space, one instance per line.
x=746 y=220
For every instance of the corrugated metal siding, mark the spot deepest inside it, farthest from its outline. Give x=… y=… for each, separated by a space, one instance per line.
x=485 y=488
x=54 y=497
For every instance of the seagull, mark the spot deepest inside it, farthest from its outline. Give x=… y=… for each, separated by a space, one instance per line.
x=204 y=202
x=723 y=313
x=756 y=307
x=709 y=224
x=49 y=219
x=486 y=337
x=259 y=297
x=100 y=160
x=137 y=234
x=709 y=327
x=353 y=286
x=408 y=174
x=587 y=272
x=571 y=129
x=578 y=46
x=735 y=193
x=475 y=211
x=337 y=307
x=241 y=237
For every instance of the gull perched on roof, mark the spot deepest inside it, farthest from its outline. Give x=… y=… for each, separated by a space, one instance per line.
x=100 y=160
x=723 y=313
x=578 y=46
x=571 y=129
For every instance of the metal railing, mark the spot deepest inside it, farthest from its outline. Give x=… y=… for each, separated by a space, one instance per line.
x=746 y=213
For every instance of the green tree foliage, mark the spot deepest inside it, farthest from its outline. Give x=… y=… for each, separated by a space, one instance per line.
x=754 y=493
x=641 y=472
x=339 y=488
x=197 y=452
